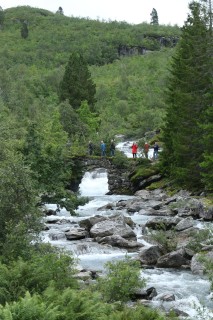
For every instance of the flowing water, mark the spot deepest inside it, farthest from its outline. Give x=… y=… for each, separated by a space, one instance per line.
x=192 y=292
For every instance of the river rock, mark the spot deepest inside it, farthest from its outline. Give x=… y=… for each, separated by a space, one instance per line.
x=162 y=223
x=108 y=228
x=149 y=255
x=174 y=259
x=184 y=224
x=166 y=297
x=147 y=294
x=118 y=241
x=76 y=234
x=144 y=194
x=197 y=263
x=91 y=221
x=207 y=214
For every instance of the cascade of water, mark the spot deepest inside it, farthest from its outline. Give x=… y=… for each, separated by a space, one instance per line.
x=191 y=291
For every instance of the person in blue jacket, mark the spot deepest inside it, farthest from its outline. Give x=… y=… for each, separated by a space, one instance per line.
x=103 y=149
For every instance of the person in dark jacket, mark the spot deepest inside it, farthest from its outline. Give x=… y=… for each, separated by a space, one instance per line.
x=112 y=148
x=90 y=148
x=156 y=149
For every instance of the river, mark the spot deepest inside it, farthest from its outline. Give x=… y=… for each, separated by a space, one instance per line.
x=192 y=292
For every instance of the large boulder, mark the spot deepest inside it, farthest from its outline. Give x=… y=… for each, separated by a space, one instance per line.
x=174 y=259
x=118 y=241
x=184 y=224
x=149 y=255
x=110 y=227
x=197 y=262
x=165 y=223
x=76 y=234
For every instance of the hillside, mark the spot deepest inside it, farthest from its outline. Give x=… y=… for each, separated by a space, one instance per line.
x=129 y=85
x=52 y=37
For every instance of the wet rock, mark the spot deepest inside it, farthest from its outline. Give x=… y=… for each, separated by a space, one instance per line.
x=76 y=234
x=174 y=259
x=108 y=228
x=147 y=294
x=89 y=222
x=144 y=194
x=207 y=214
x=162 y=223
x=149 y=255
x=118 y=241
x=184 y=224
x=166 y=297
x=197 y=262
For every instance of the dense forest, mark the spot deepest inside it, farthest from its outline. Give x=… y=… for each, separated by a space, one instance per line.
x=65 y=81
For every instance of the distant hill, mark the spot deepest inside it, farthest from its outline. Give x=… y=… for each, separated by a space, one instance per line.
x=129 y=65
x=52 y=37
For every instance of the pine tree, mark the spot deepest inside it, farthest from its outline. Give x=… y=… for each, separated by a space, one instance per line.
x=207 y=164
x=154 y=17
x=77 y=85
x=189 y=84
x=2 y=16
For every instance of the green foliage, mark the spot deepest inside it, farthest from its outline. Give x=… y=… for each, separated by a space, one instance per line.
x=28 y=308
x=46 y=152
x=43 y=267
x=18 y=213
x=200 y=237
x=166 y=239
x=121 y=281
x=129 y=94
x=136 y=313
x=120 y=160
x=77 y=85
x=188 y=97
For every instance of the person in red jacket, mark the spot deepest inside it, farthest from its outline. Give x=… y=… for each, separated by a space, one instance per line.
x=134 y=149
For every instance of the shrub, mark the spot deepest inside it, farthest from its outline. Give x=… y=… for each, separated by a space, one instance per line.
x=121 y=281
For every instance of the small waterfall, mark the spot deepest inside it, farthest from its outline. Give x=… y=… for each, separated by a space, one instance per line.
x=94 y=183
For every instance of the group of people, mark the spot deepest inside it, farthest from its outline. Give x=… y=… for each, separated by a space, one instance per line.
x=103 y=148
x=134 y=148
x=145 y=149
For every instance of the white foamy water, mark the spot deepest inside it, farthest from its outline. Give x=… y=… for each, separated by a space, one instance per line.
x=125 y=147
x=94 y=183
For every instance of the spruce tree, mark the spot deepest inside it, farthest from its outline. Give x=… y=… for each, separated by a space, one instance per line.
x=189 y=84
x=154 y=17
x=207 y=164
x=77 y=85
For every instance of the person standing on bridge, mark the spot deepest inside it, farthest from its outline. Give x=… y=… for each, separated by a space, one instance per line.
x=134 y=150
x=90 y=148
x=103 y=149
x=146 y=149
x=112 y=148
